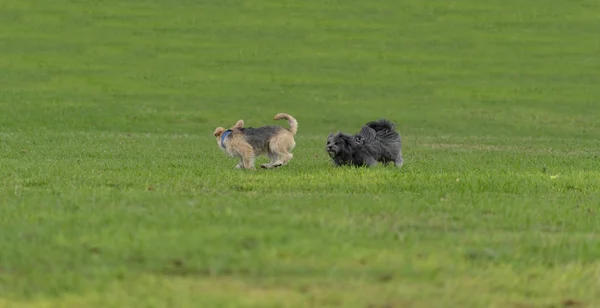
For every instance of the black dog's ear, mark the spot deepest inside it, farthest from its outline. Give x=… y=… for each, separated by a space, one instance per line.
x=347 y=139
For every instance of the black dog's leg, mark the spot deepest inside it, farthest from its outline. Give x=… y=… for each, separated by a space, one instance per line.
x=370 y=162
x=399 y=161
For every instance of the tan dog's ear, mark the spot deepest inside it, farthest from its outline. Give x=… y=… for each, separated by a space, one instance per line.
x=239 y=124
x=218 y=131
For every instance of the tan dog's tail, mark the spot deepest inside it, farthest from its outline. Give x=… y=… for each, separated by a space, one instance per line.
x=291 y=120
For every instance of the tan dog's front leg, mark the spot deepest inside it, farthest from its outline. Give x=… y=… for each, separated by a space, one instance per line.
x=249 y=162
x=244 y=151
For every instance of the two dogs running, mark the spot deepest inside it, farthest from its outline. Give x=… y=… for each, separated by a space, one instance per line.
x=377 y=141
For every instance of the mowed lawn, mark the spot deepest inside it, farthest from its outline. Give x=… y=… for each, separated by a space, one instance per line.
x=113 y=192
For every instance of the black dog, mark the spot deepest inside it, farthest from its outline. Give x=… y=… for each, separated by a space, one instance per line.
x=377 y=141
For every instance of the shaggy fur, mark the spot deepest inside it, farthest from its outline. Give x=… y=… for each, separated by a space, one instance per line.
x=377 y=141
x=247 y=143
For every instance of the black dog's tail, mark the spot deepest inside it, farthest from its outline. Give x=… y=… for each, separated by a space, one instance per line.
x=382 y=125
x=384 y=130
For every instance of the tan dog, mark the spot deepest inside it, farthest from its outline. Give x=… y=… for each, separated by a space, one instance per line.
x=248 y=143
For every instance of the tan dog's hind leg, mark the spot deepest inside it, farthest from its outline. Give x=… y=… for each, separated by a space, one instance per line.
x=280 y=146
x=287 y=157
x=273 y=157
x=290 y=144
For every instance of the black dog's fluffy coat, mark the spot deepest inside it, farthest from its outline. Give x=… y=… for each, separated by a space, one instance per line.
x=377 y=141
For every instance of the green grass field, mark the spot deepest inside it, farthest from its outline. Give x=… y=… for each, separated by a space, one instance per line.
x=114 y=193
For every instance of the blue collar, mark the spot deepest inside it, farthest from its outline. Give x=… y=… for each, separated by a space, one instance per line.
x=227 y=132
